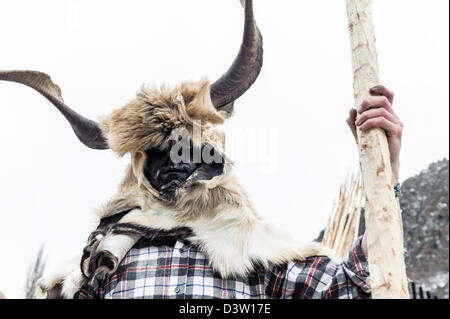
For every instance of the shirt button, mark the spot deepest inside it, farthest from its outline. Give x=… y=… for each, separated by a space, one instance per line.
x=177 y=290
x=181 y=251
x=233 y=297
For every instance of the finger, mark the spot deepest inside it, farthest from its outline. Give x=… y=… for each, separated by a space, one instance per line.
x=351 y=121
x=392 y=129
x=374 y=113
x=381 y=90
x=376 y=102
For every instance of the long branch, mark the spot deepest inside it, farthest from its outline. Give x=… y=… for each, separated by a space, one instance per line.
x=383 y=219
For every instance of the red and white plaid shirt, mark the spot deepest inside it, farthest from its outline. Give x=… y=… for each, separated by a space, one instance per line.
x=175 y=269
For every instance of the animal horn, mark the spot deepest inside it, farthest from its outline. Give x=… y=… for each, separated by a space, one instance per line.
x=245 y=68
x=86 y=130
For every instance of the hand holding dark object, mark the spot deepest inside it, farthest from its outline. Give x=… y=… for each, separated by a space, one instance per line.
x=377 y=112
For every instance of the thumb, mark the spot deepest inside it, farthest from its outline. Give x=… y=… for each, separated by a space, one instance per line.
x=351 y=122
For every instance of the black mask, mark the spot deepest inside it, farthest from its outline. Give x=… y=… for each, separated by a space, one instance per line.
x=166 y=176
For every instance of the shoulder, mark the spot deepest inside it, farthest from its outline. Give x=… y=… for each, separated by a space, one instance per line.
x=308 y=278
x=313 y=268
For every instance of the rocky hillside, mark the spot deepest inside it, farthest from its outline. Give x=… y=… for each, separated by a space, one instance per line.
x=425 y=205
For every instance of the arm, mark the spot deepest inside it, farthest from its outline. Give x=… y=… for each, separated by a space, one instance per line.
x=377 y=112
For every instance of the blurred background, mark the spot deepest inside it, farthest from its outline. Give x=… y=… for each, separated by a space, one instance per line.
x=288 y=137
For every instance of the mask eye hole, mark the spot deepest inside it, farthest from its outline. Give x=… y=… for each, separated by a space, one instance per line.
x=155 y=154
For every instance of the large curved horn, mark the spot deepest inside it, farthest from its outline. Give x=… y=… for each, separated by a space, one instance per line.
x=86 y=130
x=245 y=68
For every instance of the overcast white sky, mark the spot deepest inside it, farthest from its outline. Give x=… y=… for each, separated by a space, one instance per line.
x=101 y=52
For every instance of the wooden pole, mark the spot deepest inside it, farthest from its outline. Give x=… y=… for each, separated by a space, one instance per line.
x=383 y=217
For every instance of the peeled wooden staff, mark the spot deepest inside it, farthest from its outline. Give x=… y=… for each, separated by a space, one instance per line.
x=383 y=219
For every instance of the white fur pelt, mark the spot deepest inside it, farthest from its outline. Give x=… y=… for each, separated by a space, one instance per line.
x=62 y=283
x=234 y=240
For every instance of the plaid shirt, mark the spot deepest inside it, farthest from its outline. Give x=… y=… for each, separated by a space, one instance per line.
x=178 y=270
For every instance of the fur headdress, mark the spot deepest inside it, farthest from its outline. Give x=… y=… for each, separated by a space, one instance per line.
x=211 y=210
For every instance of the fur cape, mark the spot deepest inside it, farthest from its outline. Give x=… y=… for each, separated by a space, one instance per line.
x=215 y=215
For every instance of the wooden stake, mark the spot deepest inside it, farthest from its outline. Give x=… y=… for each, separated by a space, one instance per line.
x=343 y=224
x=383 y=219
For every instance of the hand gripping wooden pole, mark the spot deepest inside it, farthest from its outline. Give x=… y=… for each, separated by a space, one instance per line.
x=383 y=216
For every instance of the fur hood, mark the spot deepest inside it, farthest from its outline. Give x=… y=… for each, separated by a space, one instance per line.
x=215 y=215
